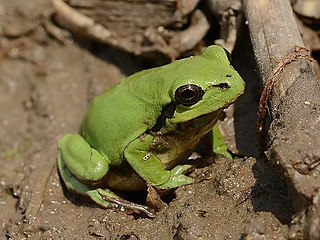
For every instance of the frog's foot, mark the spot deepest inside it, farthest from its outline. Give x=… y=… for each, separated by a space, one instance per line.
x=223 y=152
x=117 y=201
x=102 y=197
x=177 y=178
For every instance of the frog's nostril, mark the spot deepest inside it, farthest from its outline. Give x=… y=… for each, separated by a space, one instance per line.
x=219 y=86
x=222 y=85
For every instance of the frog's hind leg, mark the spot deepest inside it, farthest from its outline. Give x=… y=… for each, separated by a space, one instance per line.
x=83 y=161
x=82 y=167
x=103 y=197
x=74 y=185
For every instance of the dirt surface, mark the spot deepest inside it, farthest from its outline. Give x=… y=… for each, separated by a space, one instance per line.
x=45 y=89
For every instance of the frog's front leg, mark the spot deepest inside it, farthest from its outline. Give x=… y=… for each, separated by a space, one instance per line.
x=150 y=168
x=82 y=167
x=219 y=146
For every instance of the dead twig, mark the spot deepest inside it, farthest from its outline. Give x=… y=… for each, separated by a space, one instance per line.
x=297 y=53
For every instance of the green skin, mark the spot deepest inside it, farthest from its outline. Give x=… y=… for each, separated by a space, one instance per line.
x=122 y=136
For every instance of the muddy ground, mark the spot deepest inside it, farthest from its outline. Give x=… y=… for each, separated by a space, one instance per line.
x=45 y=89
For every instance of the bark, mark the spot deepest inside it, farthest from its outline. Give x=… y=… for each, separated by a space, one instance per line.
x=293 y=93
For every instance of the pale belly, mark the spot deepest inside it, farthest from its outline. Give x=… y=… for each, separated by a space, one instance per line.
x=172 y=147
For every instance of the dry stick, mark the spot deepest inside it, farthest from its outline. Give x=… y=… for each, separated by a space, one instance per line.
x=297 y=53
x=294 y=94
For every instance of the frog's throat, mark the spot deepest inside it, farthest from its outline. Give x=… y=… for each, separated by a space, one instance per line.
x=173 y=144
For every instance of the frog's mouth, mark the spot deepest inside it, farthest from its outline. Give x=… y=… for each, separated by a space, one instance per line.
x=202 y=123
x=170 y=110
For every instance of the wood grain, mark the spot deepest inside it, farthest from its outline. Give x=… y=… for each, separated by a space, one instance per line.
x=294 y=107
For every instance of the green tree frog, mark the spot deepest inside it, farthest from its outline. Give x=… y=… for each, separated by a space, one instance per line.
x=139 y=131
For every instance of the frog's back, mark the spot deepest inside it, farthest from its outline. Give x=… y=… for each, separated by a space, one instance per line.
x=120 y=115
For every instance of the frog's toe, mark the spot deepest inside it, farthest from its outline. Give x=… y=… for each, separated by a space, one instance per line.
x=96 y=195
x=180 y=180
x=176 y=181
x=179 y=169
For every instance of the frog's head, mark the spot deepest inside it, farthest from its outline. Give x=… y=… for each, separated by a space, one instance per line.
x=204 y=84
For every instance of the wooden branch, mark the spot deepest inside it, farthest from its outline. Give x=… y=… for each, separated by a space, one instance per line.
x=294 y=94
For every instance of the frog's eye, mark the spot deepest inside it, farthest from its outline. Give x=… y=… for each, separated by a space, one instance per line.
x=188 y=94
x=228 y=54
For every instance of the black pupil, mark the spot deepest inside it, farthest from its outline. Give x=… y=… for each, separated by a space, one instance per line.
x=187 y=94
